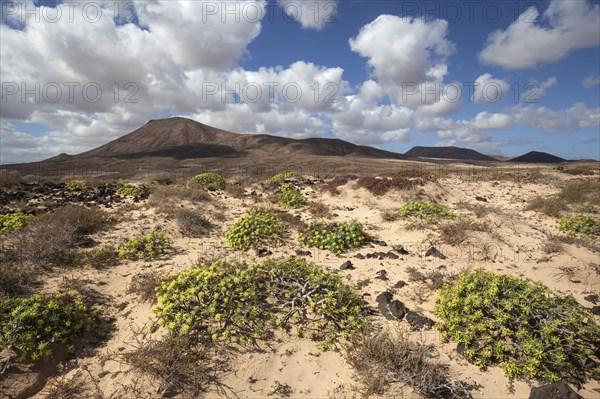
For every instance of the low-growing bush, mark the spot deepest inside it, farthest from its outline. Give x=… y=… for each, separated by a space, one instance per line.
x=230 y=301
x=145 y=246
x=13 y=221
x=135 y=192
x=551 y=206
x=457 y=231
x=318 y=209
x=192 y=223
x=210 y=181
x=103 y=257
x=336 y=237
x=144 y=284
x=290 y=196
x=389 y=215
x=332 y=185
x=581 y=191
x=381 y=185
x=428 y=211
x=15 y=278
x=587 y=226
x=76 y=186
x=35 y=325
x=281 y=178
x=259 y=227
x=381 y=359
x=235 y=190
x=521 y=325
x=164 y=195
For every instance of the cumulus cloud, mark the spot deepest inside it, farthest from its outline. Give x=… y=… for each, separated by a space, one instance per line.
x=592 y=80
x=533 y=40
x=311 y=14
x=579 y=116
x=489 y=90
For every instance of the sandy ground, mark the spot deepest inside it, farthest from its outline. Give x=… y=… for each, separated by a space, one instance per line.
x=513 y=245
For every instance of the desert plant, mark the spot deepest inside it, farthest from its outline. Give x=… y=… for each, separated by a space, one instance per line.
x=15 y=278
x=381 y=359
x=144 y=284
x=457 y=231
x=389 y=215
x=551 y=206
x=210 y=181
x=135 y=192
x=281 y=178
x=530 y=331
x=191 y=222
x=259 y=227
x=290 y=196
x=145 y=246
x=235 y=190
x=336 y=237
x=587 y=226
x=33 y=326
x=166 y=194
x=105 y=256
x=76 y=186
x=381 y=185
x=13 y=221
x=581 y=191
x=332 y=185
x=428 y=211
x=318 y=209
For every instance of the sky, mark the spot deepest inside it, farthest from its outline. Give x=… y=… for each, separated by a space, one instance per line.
x=500 y=77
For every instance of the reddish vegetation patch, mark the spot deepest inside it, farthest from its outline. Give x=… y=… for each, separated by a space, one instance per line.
x=332 y=185
x=380 y=186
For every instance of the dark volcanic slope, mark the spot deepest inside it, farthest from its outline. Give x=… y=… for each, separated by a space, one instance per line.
x=182 y=138
x=448 y=153
x=537 y=157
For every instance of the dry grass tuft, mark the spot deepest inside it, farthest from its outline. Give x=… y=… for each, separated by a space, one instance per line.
x=191 y=222
x=390 y=215
x=143 y=285
x=456 y=232
x=319 y=210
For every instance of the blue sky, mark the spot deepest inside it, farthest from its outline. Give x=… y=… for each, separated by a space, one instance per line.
x=375 y=58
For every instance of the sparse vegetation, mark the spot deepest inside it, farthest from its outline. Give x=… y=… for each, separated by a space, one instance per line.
x=13 y=221
x=457 y=231
x=135 y=192
x=290 y=196
x=192 y=223
x=210 y=181
x=551 y=206
x=76 y=186
x=381 y=359
x=147 y=246
x=282 y=178
x=586 y=226
x=336 y=237
x=281 y=390
x=105 y=256
x=521 y=325
x=427 y=211
x=389 y=215
x=166 y=194
x=33 y=326
x=333 y=184
x=144 y=284
x=318 y=209
x=381 y=185
x=259 y=227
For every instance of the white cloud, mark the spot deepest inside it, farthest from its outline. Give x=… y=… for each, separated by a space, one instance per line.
x=531 y=41
x=489 y=90
x=579 y=116
x=592 y=80
x=311 y=14
x=535 y=90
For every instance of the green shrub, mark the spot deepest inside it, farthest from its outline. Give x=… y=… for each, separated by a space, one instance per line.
x=336 y=237
x=428 y=211
x=32 y=326
x=230 y=301
x=145 y=246
x=530 y=331
x=290 y=197
x=76 y=186
x=13 y=221
x=259 y=227
x=587 y=226
x=281 y=178
x=210 y=181
x=138 y=192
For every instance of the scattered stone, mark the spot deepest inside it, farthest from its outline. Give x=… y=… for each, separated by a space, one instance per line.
x=382 y=275
x=347 y=265
x=383 y=301
x=557 y=390
x=382 y=255
x=359 y=256
x=263 y=252
x=300 y=252
x=596 y=310
x=419 y=322
x=400 y=284
x=397 y=309
x=380 y=243
x=481 y=199
x=593 y=298
x=433 y=251
x=385 y=297
x=400 y=249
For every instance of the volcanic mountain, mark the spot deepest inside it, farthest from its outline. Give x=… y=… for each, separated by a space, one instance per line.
x=182 y=138
x=537 y=157
x=448 y=153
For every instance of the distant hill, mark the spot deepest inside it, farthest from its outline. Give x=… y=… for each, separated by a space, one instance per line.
x=537 y=157
x=182 y=138
x=447 y=153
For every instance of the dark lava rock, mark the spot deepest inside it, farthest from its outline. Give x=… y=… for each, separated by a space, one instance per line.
x=262 y=252
x=384 y=298
x=397 y=309
x=382 y=275
x=433 y=251
x=400 y=249
x=300 y=252
x=359 y=256
x=380 y=243
x=557 y=390
x=400 y=284
x=391 y=255
x=481 y=199
x=593 y=298
x=418 y=322
x=375 y=255
x=596 y=310
x=347 y=265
